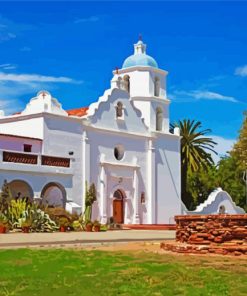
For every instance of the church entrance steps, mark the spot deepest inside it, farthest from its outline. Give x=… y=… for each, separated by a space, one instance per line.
x=151 y=226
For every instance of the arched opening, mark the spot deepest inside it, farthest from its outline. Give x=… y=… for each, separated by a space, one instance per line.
x=159 y=119
x=119 y=110
x=222 y=210
x=118 y=206
x=126 y=81
x=20 y=189
x=53 y=195
x=156 y=87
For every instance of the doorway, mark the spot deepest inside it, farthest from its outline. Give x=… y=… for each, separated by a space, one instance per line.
x=118 y=207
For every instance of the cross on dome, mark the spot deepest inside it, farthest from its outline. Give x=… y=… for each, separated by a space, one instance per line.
x=43 y=94
x=140 y=47
x=140 y=58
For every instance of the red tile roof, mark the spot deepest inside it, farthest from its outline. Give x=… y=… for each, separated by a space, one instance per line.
x=73 y=112
x=78 y=112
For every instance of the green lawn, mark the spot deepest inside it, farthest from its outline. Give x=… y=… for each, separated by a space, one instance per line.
x=79 y=272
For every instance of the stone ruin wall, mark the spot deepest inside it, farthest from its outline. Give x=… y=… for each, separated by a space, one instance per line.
x=205 y=229
x=202 y=234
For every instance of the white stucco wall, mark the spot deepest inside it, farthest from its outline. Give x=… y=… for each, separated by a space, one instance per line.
x=17 y=144
x=61 y=136
x=168 y=193
x=25 y=126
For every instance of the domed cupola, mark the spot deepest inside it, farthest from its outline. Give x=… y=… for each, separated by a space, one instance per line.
x=140 y=58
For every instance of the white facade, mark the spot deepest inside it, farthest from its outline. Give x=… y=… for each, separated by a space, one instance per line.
x=121 y=143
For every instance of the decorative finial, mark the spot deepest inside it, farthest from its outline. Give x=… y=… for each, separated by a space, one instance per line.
x=140 y=37
x=116 y=70
x=43 y=94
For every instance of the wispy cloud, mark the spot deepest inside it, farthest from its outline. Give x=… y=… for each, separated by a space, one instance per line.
x=201 y=95
x=13 y=88
x=224 y=146
x=241 y=71
x=92 y=18
x=25 y=48
x=8 y=66
x=10 y=30
x=10 y=105
x=35 y=78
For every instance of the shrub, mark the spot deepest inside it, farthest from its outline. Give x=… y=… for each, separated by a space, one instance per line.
x=57 y=213
x=63 y=222
x=3 y=220
x=77 y=226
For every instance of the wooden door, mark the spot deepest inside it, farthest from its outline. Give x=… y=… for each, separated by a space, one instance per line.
x=118 y=211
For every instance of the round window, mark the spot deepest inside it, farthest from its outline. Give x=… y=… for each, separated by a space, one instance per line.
x=119 y=152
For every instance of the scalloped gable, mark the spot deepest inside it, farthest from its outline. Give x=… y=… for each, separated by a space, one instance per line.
x=44 y=102
x=103 y=112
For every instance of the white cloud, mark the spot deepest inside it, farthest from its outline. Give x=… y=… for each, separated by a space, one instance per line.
x=93 y=18
x=25 y=48
x=10 y=29
x=224 y=146
x=241 y=71
x=15 y=86
x=10 y=105
x=202 y=95
x=8 y=66
x=35 y=78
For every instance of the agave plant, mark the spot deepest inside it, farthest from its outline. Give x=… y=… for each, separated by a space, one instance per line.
x=40 y=221
x=16 y=211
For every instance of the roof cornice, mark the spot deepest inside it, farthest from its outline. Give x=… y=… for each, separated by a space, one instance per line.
x=139 y=68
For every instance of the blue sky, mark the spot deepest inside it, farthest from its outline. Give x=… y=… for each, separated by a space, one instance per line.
x=71 y=48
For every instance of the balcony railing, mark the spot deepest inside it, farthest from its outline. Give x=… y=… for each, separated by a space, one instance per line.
x=55 y=161
x=20 y=157
x=35 y=159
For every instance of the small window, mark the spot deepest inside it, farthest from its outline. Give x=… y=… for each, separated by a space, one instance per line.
x=27 y=148
x=119 y=152
x=126 y=81
x=119 y=110
x=159 y=119
x=156 y=87
x=222 y=210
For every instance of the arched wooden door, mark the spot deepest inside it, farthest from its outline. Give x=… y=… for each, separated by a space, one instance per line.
x=118 y=209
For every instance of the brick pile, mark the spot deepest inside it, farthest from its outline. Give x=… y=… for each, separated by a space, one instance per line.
x=220 y=234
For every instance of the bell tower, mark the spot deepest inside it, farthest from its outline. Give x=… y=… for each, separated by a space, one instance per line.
x=141 y=77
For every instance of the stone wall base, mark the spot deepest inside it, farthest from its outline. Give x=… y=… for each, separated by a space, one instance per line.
x=234 y=248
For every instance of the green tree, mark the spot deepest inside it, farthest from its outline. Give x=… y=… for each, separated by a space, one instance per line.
x=240 y=148
x=91 y=197
x=200 y=184
x=5 y=196
x=195 y=153
x=230 y=179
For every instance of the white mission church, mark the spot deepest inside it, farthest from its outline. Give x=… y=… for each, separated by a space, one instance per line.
x=121 y=143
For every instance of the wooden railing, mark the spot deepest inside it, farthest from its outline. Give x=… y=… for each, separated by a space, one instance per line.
x=20 y=157
x=55 y=161
x=35 y=159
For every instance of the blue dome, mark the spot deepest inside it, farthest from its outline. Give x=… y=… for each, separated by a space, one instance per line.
x=140 y=59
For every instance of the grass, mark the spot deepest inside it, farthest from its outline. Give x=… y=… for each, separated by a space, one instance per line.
x=60 y=272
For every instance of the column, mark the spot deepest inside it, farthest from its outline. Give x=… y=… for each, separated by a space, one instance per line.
x=103 y=196
x=136 y=219
x=151 y=205
x=84 y=179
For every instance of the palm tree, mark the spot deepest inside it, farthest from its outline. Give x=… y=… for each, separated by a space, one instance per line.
x=195 y=152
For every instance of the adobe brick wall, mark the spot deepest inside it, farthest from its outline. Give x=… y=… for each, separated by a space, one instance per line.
x=204 y=229
x=203 y=234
